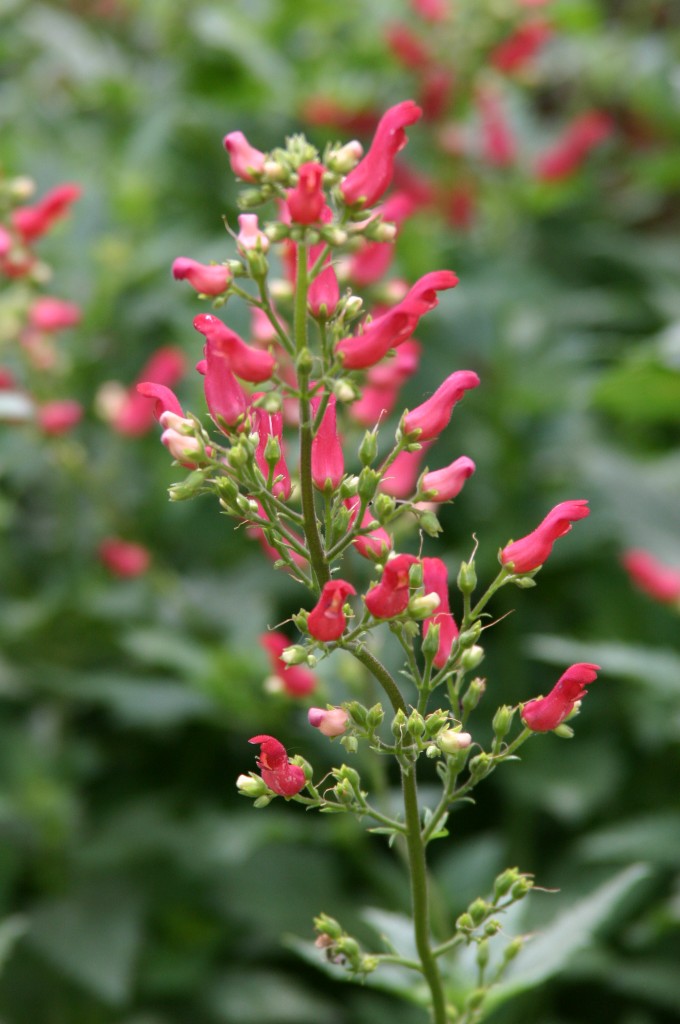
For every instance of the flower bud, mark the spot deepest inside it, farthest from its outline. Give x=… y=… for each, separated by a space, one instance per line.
x=422 y=606
x=474 y=694
x=398 y=723
x=430 y=645
x=272 y=450
x=472 y=657
x=383 y=506
x=502 y=721
x=333 y=235
x=251 y=785
x=188 y=488
x=416 y=724
x=276 y=231
x=453 y=740
x=326 y=925
x=470 y=636
x=375 y=716
x=368 y=483
x=513 y=948
x=346 y=157
x=368 y=448
x=478 y=910
x=482 y=954
x=467 y=577
x=480 y=765
x=294 y=655
x=504 y=883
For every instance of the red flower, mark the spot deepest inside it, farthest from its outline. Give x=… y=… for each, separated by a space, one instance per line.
x=435 y=581
x=124 y=558
x=328 y=464
x=48 y=314
x=518 y=49
x=568 y=153
x=371 y=177
x=327 y=621
x=546 y=713
x=448 y=482
x=248 y=363
x=208 y=279
x=531 y=551
x=375 y=545
x=134 y=415
x=59 y=417
x=653 y=577
x=498 y=144
x=33 y=221
x=165 y=399
x=246 y=162
x=379 y=394
x=297 y=680
x=391 y=596
x=323 y=294
x=400 y=479
x=429 y=419
x=282 y=777
x=407 y=47
x=306 y=201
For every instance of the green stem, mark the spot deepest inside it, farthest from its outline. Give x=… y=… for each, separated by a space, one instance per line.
x=415 y=848
x=311 y=527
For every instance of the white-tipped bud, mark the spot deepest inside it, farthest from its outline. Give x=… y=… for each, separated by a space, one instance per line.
x=452 y=740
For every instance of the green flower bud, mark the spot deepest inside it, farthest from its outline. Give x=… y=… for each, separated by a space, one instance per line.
x=471 y=658
x=276 y=232
x=465 y=923
x=226 y=488
x=475 y=999
x=423 y=605
x=416 y=724
x=272 y=450
x=294 y=655
x=482 y=954
x=474 y=694
x=251 y=785
x=257 y=264
x=492 y=928
x=333 y=235
x=188 y=488
x=470 y=636
x=357 y=713
x=375 y=716
x=430 y=644
x=398 y=723
x=522 y=886
x=502 y=721
x=513 y=948
x=368 y=448
x=383 y=506
x=467 y=577
x=432 y=751
x=368 y=483
x=478 y=910
x=238 y=456
x=525 y=582
x=326 y=925
x=453 y=740
x=480 y=765
x=352 y=306
x=350 y=743
x=428 y=522
x=250 y=198
x=504 y=883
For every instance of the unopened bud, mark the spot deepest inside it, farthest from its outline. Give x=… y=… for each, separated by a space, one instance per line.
x=522 y=886
x=250 y=198
x=471 y=658
x=502 y=721
x=251 y=785
x=416 y=724
x=368 y=448
x=467 y=577
x=478 y=910
x=470 y=636
x=453 y=740
x=272 y=450
x=480 y=765
x=429 y=522
x=273 y=171
x=333 y=235
x=482 y=954
x=276 y=232
x=375 y=716
x=305 y=362
x=294 y=655
x=368 y=483
x=342 y=160
x=475 y=999
x=398 y=723
x=187 y=488
x=326 y=925
x=504 y=883
x=474 y=694
x=430 y=645
x=384 y=232
x=345 y=391
x=352 y=306
x=383 y=506
x=424 y=605
x=513 y=948
x=237 y=456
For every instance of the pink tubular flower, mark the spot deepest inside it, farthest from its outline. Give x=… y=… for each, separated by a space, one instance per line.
x=248 y=363
x=432 y=10
x=359 y=351
x=371 y=177
x=33 y=221
x=124 y=558
x=246 y=162
x=652 y=577
x=327 y=621
x=498 y=144
x=282 y=777
x=391 y=596
x=429 y=419
x=400 y=478
x=324 y=294
x=328 y=463
x=445 y=484
x=165 y=399
x=133 y=414
x=531 y=551
x=375 y=545
x=566 y=156
x=250 y=237
x=49 y=314
x=435 y=581
x=546 y=713
x=371 y=262
x=407 y=47
x=270 y=424
x=521 y=47
x=297 y=680
x=306 y=201
x=207 y=279
x=381 y=390
x=55 y=418
x=329 y=721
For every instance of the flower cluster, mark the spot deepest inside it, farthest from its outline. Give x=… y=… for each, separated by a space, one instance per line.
x=318 y=366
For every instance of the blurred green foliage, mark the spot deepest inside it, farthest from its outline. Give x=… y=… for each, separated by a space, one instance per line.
x=134 y=888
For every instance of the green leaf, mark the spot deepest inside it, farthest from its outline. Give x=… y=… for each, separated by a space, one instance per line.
x=92 y=936
x=652 y=837
x=11 y=930
x=267 y=997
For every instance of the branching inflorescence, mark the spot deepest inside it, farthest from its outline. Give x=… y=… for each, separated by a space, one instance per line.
x=316 y=359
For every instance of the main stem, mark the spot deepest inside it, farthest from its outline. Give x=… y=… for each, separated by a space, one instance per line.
x=415 y=846
x=311 y=528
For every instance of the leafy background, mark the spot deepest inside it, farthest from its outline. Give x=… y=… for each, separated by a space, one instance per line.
x=134 y=887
